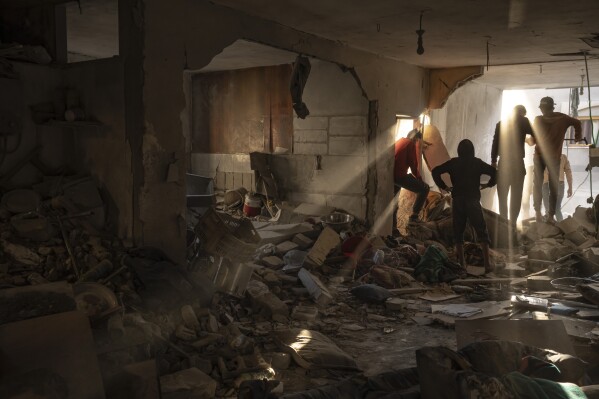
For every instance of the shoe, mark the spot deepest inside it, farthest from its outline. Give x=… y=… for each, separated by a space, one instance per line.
x=549 y=219
x=539 y=217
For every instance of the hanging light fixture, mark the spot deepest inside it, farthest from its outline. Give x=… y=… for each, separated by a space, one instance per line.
x=420 y=33
x=581 y=84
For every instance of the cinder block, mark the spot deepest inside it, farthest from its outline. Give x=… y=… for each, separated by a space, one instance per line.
x=356 y=205
x=310 y=136
x=286 y=246
x=348 y=126
x=347 y=146
x=273 y=262
x=302 y=241
x=311 y=123
x=310 y=148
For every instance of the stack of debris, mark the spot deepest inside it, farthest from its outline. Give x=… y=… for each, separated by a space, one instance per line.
x=264 y=303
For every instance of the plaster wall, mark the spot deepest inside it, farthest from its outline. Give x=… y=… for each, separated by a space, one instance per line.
x=186 y=34
x=471 y=112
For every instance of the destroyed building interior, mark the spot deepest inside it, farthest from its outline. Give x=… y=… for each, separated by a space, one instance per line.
x=282 y=199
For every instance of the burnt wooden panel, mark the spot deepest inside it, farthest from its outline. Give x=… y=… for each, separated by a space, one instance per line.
x=242 y=111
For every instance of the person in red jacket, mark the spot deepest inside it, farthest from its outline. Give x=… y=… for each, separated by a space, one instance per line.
x=406 y=157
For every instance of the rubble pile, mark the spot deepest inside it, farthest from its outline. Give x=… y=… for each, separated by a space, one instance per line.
x=273 y=306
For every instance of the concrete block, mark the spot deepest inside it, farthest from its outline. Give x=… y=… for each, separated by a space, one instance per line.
x=348 y=126
x=285 y=247
x=310 y=136
x=273 y=262
x=310 y=148
x=395 y=304
x=317 y=290
x=311 y=123
x=347 y=146
x=592 y=254
x=302 y=241
x=340 y=175
x=568 y=225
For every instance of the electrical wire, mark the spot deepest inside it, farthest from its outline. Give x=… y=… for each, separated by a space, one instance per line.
x=575 y=191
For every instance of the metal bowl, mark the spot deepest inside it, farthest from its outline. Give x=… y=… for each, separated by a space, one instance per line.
x=339 y=221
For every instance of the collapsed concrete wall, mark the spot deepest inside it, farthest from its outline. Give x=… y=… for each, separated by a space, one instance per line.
x=329 y=160
x=200 y=32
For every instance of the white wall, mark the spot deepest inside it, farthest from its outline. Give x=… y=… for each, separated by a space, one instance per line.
x=471 y=112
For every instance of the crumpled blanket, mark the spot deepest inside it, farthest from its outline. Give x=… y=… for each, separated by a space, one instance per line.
x=436 y=267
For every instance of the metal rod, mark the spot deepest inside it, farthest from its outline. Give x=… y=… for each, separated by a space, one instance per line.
x=69 y=249
x=586 y=65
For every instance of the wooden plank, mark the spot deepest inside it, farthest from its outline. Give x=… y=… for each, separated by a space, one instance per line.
x=489 y=309
x=550 y=334
x=475 y=281
x=408 y=291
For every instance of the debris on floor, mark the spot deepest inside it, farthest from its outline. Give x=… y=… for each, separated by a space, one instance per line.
x=283 y=306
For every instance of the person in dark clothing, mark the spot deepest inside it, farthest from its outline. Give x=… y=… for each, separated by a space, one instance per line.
x=406 y=156
x=465 y=172
x=508 y=145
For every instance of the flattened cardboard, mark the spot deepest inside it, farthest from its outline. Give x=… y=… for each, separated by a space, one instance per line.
x=326 y=242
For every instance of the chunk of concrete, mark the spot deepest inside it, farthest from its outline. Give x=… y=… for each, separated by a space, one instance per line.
x=317 y=290
x=285 y=247
x=21 y=254
x=265 y=300
x=302 y=241
x=273 y=262
x=568 y=225
x=395 y=304
x=192 y=383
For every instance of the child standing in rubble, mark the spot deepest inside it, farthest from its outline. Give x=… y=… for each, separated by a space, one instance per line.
x=465 y=172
